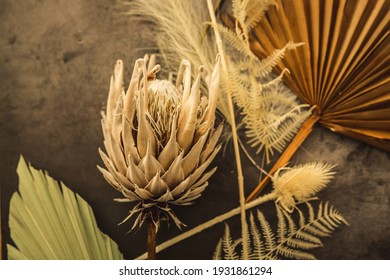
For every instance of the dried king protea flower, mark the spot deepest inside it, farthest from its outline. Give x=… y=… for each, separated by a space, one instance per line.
x=159 y=138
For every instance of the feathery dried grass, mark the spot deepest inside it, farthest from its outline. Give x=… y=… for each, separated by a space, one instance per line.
x=300 y=183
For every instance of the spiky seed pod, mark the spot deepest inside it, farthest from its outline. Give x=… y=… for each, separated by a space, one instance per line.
x=300 y=183
x=159 y=139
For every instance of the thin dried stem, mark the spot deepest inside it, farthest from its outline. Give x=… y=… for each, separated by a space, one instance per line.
x=151 y=243
x=250 y=157
x=217 y=7
x=240 y=176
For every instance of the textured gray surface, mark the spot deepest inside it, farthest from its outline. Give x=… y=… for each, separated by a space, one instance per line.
x=56 y=59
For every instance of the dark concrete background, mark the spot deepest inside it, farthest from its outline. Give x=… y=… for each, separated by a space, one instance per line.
x=56 y=59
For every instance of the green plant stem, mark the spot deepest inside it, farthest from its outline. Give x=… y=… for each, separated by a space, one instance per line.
x=240 y=177
x=210 y=223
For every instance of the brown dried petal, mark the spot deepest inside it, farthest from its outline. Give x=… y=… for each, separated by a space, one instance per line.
x=187 y=117
x=118 y=78
x=157 y=186
x=129 y=194
x=174 y=175
x=116 y=128
x=145 y=132
x=213 y=93
x=181 y=188
x=185 y=68
x=204 y=178
x=210 y=146
x=165 y=197
x=128 y=142
x=171 y=149
x=135 y=174
x=129 y=101
x=117 y=156
x=193 y=194
x=143 y=193
x=149 y=164
x=111 y=168
x=182 y=198
x=111 y=101
x=198 y=190
x=109 y=178
x=199 y=171
x=106 y=135
x=190 y=162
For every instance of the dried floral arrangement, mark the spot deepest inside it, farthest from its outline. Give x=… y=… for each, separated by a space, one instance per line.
x=160 y=137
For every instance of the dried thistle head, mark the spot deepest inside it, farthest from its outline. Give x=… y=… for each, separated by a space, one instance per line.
x=300 y=183
x=159 y=139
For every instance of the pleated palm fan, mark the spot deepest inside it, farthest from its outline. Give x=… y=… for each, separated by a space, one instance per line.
x=343 y=68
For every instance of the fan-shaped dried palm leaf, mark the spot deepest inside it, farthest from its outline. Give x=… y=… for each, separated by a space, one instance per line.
x=343 y=68
x=52 y=222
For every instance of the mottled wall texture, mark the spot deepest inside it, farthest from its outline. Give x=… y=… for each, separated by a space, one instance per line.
x=56 y=59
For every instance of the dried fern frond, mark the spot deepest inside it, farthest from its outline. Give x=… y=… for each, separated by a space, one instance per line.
x=292 y=239
x=255 y=10
x=271 y=115
x=299 y=183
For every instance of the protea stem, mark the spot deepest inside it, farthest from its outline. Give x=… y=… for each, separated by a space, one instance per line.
x=240 y=177
x=300 y=137
x=151 y=243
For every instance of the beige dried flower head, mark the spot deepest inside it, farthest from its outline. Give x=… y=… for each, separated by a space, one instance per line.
x=159 y=138
x=300 y=183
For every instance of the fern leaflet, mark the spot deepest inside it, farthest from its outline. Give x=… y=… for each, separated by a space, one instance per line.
x=293 y=238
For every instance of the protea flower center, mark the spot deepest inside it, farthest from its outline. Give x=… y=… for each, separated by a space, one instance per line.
x=159 y=139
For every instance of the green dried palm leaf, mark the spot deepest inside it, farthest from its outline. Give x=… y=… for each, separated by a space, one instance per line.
x=52 y=222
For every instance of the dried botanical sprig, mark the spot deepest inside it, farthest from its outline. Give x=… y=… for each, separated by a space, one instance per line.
x=300 y=183
x=159 y=139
